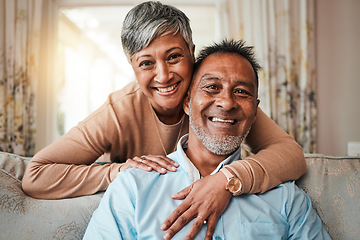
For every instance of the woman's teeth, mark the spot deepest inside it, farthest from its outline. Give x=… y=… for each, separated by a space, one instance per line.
x=167 y=89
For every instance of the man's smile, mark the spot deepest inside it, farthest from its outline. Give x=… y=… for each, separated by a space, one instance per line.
x=222 y=120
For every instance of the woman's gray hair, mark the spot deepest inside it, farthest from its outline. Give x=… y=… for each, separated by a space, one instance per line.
x=150 y=20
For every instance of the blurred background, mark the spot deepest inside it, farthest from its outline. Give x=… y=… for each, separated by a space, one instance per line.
x=60 y=59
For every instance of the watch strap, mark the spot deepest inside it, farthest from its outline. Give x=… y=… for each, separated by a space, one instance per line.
x=227 y=173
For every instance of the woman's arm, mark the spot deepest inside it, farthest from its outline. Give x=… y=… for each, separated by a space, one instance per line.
x=54 y=173
x=64 y=169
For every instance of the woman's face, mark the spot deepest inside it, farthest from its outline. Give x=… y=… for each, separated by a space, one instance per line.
x=163 y=71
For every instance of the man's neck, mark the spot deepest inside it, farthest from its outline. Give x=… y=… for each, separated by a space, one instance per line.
x=204 y=160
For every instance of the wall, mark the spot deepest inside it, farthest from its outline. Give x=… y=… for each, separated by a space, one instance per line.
x=338 y=62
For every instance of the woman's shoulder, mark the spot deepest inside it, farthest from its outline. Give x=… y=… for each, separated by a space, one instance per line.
x=119 y=102
x=131 y=90
x=128 y=99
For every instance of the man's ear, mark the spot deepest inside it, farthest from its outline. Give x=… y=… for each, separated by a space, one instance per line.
x=257 y=106
x=186 y=103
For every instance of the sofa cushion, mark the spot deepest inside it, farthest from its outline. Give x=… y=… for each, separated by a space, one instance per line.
x=333 y=184
x=23 y=217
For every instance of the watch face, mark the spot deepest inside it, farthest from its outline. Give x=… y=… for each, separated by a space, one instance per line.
x=234 y=185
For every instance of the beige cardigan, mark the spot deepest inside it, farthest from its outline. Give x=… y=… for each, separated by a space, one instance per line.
x=124 y=127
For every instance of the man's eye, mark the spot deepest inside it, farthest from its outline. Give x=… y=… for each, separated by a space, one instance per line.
x=242 y=93
x=212 y=88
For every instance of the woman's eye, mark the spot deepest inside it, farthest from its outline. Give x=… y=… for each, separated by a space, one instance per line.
x=145 y=64
x=174 y=57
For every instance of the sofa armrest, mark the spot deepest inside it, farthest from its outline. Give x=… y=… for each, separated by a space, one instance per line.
x=333 y=184
x=23 y=217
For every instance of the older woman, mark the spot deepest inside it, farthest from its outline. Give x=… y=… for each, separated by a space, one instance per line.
x=146 y=117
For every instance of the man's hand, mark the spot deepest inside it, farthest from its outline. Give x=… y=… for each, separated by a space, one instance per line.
x=148 y=163
x=205 y=200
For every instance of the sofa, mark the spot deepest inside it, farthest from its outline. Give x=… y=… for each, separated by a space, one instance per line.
x=333 y=184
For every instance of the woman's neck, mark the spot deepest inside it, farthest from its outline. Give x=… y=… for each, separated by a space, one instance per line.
x=169 y=116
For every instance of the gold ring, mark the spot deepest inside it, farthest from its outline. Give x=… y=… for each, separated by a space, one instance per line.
x=202 y=218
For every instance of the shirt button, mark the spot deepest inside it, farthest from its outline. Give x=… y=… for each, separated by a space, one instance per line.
x=217 y=238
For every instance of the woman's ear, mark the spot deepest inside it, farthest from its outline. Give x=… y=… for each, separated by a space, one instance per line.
x=193 y=53
x=186 y=103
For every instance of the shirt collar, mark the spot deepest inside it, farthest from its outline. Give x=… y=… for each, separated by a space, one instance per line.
x=185 y=162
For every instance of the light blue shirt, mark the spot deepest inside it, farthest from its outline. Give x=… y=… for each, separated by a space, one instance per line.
x=137 y=202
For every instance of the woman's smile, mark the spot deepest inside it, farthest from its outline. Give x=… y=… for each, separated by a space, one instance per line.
x=169 y=90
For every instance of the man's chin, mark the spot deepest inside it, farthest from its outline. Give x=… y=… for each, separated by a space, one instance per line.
x=222 y=145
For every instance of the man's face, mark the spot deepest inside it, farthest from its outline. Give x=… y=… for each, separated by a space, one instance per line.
x=222 y=102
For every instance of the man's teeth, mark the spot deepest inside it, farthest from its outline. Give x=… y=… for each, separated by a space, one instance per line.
x=167 y=89
x=215 y=119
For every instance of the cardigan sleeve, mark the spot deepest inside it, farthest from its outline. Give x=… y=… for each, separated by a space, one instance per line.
x=64 y=169
x=277 y=157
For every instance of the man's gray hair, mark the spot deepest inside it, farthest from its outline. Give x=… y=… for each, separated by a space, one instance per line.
x=150 y=20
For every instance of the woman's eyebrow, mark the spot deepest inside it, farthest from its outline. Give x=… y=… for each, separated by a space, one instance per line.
x=173 y=48
x=166 y=52
x=141 y=56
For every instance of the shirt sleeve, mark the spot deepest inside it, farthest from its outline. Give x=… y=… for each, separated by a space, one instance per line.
x=114 y=217
x=277 y=157
x=304 y=222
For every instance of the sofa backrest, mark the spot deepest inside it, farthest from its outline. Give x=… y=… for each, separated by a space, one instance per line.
x=333 y=184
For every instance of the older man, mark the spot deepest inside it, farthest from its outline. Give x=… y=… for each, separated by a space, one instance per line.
x=221 y=104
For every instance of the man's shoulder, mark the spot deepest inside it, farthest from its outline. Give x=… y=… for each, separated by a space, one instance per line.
x=140 y=183
x=136 y=174
x=288 y=188
x=138 y=177
x=283 y=193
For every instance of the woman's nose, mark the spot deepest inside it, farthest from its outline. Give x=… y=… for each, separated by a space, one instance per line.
x=163 y=75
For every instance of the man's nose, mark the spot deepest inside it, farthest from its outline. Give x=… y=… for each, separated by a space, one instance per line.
x=163 y=75
x=226 y=101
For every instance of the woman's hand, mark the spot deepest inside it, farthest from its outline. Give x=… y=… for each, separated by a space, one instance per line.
x=148 y=163
x=205 y=200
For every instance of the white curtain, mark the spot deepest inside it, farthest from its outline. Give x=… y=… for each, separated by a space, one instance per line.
x=19 y=55
x=282 y=32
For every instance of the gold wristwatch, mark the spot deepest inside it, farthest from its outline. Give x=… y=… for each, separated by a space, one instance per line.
x=234 y=184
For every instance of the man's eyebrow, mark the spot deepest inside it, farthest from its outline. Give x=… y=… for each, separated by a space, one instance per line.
x=217 y=78
x=248 y=84
x=210 y=77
